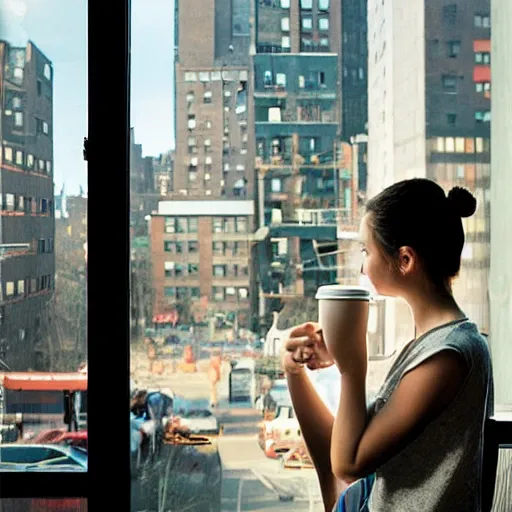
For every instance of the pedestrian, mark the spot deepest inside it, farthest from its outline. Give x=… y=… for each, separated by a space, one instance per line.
x=418 y=446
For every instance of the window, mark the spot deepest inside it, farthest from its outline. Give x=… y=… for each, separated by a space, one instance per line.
x=281 y=80
x=323 y=5
x=48 y=167
x=243 y=293
x=8 y=154
x=207 y=97
x=276 y=185
x=285 y=24
x=169 y=268
x=450 y=14
x=451 y=119
x=9 y=202
x=195 y=292
x=307 y=23
x=218 y=225
x=169 y=291
x=192 y=225
x=30 y=161
x=208 y=124
x=190 y=76
x=191 y=97
x=449 y=83
x=450 y=145
x=219 y=248
x=21 y=287
x=47 y=72
x=285 y=42
x=18 y=73
x=44 y=205
x=19 y=157
x=219 y=270
x=193 y=247
x=241 y=225
x=40 y=165
x=16 y=102
x=170 y=225
x=323 y=24
x=306 y=4
x=479 y=87
x=285 y=4
x=193 y=269
x=479 y=116
x=459 y=145
x=218 y=293
x=191 y=122
x=9 y=288
x=440 y=144
x=18 y=119
x=478 y=21
x=453 y=49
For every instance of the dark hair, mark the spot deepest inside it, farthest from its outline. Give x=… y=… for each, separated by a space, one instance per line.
x=418 y=214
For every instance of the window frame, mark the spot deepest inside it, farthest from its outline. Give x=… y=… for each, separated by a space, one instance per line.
x=108 y=145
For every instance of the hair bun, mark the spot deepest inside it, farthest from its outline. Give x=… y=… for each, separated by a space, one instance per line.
x=463 y=201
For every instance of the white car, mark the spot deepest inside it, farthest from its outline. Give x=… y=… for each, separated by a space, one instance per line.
x=200 y=421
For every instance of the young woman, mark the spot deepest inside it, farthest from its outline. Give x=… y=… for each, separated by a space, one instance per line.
x=418 y=445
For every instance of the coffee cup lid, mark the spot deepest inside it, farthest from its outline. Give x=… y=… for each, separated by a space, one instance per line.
x=337 y=291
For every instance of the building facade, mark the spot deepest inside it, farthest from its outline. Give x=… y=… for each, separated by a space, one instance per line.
x=27 y=224
x=429 y=114
x=201 y=235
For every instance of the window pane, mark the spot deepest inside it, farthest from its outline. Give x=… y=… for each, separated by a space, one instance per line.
x=43 y=240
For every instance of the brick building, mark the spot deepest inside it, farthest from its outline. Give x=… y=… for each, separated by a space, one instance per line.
x=27 y=263
x=200 y=237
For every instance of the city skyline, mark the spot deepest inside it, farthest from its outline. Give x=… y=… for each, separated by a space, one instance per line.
x=151 y=102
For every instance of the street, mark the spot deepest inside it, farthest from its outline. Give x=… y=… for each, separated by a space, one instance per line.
x=250 y=481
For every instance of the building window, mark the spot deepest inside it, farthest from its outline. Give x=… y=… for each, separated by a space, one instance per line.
x=219 y=270
x=195 y=292
x=169 y=268
x=449 y=83
x=21 y=287
x=323 y=5
x=47 y=72
x=48 y=167
x=219 y=248
x=44 y=205
x=191 y=122
x=9 y=288
x=241 y=225
x=192 y=225
x=193 y=247
x=453 y=49
x=450 y=14
x=208 y=124
x=190 y=76
x=19 y=157
x=281 y=80
x=285 y=24
x=275 y=185
x=40 y=165
x=483 y=117
x=323 y=24
x=482 y=21
x=18 y=119
x=324 y=42
x=483 y=58
x=169 y=291
x=243 y=293
x=18 y=73
x=218 y=292
x=268 y=81
x=307 y=23
x=207 y=97
x=9 y=202
x=218 y=225
x=306 y=4
x=8 y=154
x=285 y=42
x=191 y=97
x=451 y=119
x=30 y=161
x=193 y=269
x=487 y=116
x=460 y=145
x=450 y=145
x=285 y=4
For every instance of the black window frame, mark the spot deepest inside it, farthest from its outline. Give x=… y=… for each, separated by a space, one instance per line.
x=108 y=145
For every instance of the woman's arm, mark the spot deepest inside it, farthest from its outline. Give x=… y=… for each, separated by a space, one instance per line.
x=316 y=423
x=358 y=449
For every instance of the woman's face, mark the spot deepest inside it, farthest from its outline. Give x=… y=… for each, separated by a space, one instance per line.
x=376 y=267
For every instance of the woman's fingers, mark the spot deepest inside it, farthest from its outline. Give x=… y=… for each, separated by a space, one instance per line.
x=299 y=342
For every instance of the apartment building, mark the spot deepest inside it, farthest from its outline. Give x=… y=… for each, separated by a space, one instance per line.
x=27 y=223
x=429 y=113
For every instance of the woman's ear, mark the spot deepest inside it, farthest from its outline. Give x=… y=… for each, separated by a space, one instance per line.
x=407 y=260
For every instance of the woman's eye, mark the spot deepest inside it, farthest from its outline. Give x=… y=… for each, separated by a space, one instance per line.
x=364 y=251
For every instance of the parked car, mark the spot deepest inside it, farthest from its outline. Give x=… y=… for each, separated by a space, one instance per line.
x=200 y=421
x=277 y=436
x=41 y=457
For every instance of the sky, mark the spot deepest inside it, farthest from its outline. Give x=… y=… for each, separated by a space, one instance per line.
x=59 y=29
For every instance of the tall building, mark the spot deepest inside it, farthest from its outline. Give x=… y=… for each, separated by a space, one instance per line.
x=27 y=224
x=429 y=113
x=308 y=104
x=200 y=237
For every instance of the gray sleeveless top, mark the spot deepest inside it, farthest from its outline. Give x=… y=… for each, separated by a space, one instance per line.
x=441 y=469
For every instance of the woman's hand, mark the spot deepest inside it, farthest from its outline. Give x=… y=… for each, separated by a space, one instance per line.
x=305 y=347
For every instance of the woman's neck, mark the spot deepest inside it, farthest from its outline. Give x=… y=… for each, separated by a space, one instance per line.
x=430 y=310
